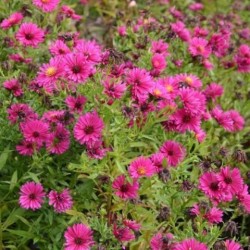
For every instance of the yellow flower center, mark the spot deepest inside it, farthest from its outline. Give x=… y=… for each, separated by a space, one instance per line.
x=200 y=49
x=189 y=80
x=45 y=1
x=141 y=171
x=157 y=92
x=169 y=88
x=51 y=71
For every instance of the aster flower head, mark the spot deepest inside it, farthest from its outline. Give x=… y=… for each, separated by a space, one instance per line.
x=141 y=167
x=232 y=245
x=213 y=91
x=242 y=58
x=158 y=62
x=170 y=84
x=27 y=148
x=12 y=20
x=123 y=234
x=199 y=47
x=59 y=48
x=132 y=224
x=114 y=90
x=159 y=47
x=70 y=13
x=173 y=151
x=158 y=161
x=190 y=244
x=31 y=195
x=124 y=189
x=161 y=242
x=77 y=69
x=88 y=128
x=96 y=150
x=61 y=201
x=20 y=112
x=46 y=5
x=159 y=91
x=35 y=131
x=29 y=34
x=14 y=87
x=76 y=104
x=78 y=236
x=189 y=80
x=214 y=215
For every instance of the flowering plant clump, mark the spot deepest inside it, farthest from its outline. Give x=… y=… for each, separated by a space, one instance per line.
x=124 y=125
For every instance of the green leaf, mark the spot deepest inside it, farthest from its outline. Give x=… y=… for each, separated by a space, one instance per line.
x=4 y=157
x=13 y=181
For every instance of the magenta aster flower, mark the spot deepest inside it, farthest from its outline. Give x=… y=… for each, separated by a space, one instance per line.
x=199 y=47
x=46 y=5
x=213 y=91
x=244 y=198
x=232 y=245
x=242 y=58
x=161 y=242
x=31 y=195
x=77 y=69
x=59 y=140
x=96 y=150
x=158 y=62
x=214 y=215
x=123 y=233
x=60 y=201
x=231 y=179
x=76 y=104
x=30 y=35
x=190 y=244
x=114 y=90
x=189 y=80
x=173 y=151
x=20 y=112
x=70 y=13
x=141 y=167
x=14 y=87
x=157 y=160
x=27 y=148
x=78 y=237
x=159 y=47
x=124 y=189
x=132 y=224
x=88 y=128
x=35 y=131
x=12 y=20
x=59 y=48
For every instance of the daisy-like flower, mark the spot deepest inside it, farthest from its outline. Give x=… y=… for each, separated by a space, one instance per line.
x=159 y=91
x=230 y=179
x=14 y=87
x=232 y=245
x=59 y=140
x=12 y=20
x=209 y=184
x=29 y=34
x=173 y=151
x=60 y=201
x=159 y=47
x=214 y=215
x=59 y=48
x=77 y=69
x=124 y=189
x=27 y=148
x=50 y=72
x=31 y=195
x=189 y=80
x=157 y=160
x=76 y=104
x=88 y=128
x=141 y=167
x=123 y=233
x=20 y=112
x=96 y=150
x=158 y=62
x=70 y=13
x=132 y=224
x=114 y=90
x=170 y=84
x=78 y=237
x=244 y=198
x=242 y=58
x=190 y=244
x=199 y=47
x=35 y=131
x=213 y=91
x=46 y=5
x=161 y=242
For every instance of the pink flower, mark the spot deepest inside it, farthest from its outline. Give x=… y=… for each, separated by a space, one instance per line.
x=124 y=189
x=213 y=91
x=19 y=58
x=200 y=135
x=244 y=198
x=133 y=225
x=13 y=86
x=171 y=85
x=77 y=69
x=181 y=31
x=141 y=167
x=199 y=47
x=12 y=20
x=230 y=179
x=70 y=13
x=27 y=148
x=114 y=90
x=161 y=242
x=189 y=80
x=159 y=91
x=232 y=245
x=173 y=151
x=30 y=35
x=88 y=128
x=78 y=237
x=46 y=5
x=96 y=150
x=238 y=121
x=141 y=83
x=60 y=201
x=35 y=131
x=123 y=233
x=220 y=43
x=214 y=215
x=59 y=48
x=59 y=140
x=122 y=30
x=200 y=32
x=190 y=244
x=158 y=62
x=196 y=6
x=31 y=195
x=76 y=104
x=20 y=112
x=158 y=160
x=159 y=47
